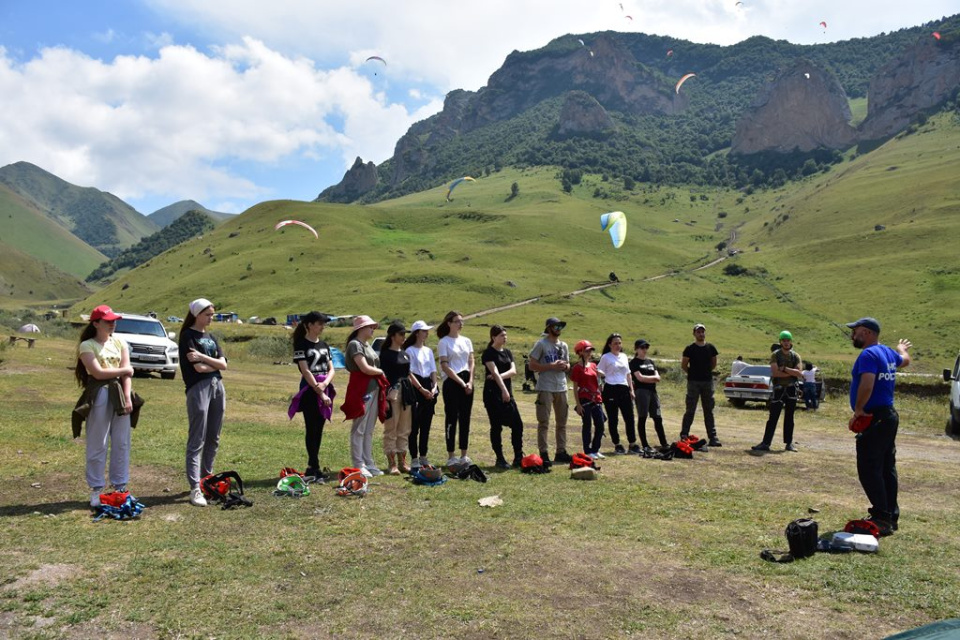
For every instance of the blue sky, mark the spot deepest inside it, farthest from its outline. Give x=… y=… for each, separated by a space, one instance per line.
x=232 y=102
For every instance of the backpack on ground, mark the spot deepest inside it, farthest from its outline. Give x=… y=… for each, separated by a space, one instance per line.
x=427 y=475
x=582 y=460
x=533 y=463
x=352 y=482
x=681 y=449
x=802 y=537
x=468 y=471
x=118 y=505
x=695 y=443
x=219 y=488
x=292 y=486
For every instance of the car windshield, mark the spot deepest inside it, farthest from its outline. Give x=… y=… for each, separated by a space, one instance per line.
x=140 y=327
x=755 y=370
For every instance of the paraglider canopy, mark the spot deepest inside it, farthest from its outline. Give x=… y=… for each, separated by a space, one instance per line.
x=936 y=34
x=376 y=58
x=453 y=185
x=29 y=328
x=682 y=80
x=284 y=223
x=616 y=223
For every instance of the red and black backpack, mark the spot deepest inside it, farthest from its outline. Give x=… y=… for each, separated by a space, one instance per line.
x=581 y=460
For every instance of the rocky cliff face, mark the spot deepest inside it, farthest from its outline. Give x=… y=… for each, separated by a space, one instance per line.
x=583 y=115
x=804 y=108
x=358 y=180
x=919 y=78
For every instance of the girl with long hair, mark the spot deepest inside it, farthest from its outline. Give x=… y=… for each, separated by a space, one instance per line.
x=618 y=394
x=586 y=391
x=423 y=377
x=312 y=357
x=201 y=364
x=498 y=397
x=363 y=392
x=103 y=362
x=395 y=362
x=457 y=364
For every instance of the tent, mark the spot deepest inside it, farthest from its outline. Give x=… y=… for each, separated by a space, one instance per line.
x=29 y=328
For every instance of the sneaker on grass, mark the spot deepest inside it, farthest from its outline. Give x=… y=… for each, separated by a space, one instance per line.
x=196 y=498
x=95 y=498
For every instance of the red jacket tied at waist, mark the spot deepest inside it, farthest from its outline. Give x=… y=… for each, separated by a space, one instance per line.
x=353 y=405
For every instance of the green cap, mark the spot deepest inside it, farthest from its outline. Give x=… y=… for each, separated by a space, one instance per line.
x=786 y=335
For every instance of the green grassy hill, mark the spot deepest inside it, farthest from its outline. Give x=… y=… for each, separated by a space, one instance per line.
x=24 y=227
x=812 y=257
x=25 y=279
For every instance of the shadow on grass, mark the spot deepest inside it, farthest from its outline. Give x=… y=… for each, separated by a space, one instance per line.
x=57 y=508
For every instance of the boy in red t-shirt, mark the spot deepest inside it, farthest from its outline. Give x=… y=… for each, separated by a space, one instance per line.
x=586 y=390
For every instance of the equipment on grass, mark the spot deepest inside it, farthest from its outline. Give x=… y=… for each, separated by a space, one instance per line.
x=292 y=486
x=802 y=537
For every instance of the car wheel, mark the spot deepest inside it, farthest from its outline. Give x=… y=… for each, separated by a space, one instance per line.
x=738 y=402
x=168 y=375
x=953 y=426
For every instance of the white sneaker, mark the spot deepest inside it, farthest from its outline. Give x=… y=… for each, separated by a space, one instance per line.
x=95 y=498
x=599 y=456
x=196 y=498
x=593 y=456
x=466 y=460
x=365 y=472
x=452 y=460
x=374 y=471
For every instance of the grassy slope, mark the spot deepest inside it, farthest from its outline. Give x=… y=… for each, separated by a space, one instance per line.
x=825 y=264
x=24 y=227
x=25 y=280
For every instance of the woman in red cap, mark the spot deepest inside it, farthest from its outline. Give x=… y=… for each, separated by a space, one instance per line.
x=586 y=390
x=103 y=363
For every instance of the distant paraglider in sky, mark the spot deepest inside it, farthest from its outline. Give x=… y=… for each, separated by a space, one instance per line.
x=630 y=18
x=806 y=75
x=284 y=223
x=378 y=59
x=616 y=223
x=669 y=52
x=824 y=25
x=582 y=43
x=453 y=185
x=682 y=80
x=936 y=34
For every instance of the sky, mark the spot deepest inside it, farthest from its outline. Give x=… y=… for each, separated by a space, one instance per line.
x=234 y=102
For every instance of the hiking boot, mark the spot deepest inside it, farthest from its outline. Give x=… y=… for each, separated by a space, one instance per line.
x=635 y=449
x=196 y=498
x=763 y=446
x=618 y=450
x=562 y=457
x=886 y=528
x=714 y=442
x=790 y=447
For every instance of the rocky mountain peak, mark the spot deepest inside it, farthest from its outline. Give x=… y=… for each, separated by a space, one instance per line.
x=359 y=179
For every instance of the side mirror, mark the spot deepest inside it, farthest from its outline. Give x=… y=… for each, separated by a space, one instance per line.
x=946 y=375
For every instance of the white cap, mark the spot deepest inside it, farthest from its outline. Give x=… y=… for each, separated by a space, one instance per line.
x=420 y=325
x=199 y=305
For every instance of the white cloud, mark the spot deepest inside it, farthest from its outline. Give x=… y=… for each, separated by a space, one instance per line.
x=174 y=125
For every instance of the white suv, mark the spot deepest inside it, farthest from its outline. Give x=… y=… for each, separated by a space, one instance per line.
x=151 y=347
x=953 y=377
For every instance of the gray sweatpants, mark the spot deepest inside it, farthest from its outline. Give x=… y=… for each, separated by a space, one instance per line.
x=103 y=426
x=361 y=432
x=206 y=404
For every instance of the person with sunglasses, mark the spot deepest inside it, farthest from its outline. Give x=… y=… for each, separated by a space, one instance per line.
x=646 y=377
x=550 y=359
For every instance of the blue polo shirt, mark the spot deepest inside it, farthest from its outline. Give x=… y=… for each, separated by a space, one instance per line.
x=882 y=361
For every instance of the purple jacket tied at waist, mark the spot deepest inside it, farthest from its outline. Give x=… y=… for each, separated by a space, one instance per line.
x=326 y=410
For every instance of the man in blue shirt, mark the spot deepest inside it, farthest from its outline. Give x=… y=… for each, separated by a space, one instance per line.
x=871 y=397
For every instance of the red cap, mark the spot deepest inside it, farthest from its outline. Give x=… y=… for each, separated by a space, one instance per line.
x=582 y=346
x=103 y=312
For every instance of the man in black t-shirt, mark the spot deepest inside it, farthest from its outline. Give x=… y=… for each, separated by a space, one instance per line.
x=698 y=362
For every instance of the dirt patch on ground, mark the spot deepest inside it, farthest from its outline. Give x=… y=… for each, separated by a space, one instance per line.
x=47 y=575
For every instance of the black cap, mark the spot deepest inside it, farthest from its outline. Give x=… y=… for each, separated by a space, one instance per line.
x=314 y=316
x=555 y=321
x=396 y=327
x=641 y=344
x=869 y=323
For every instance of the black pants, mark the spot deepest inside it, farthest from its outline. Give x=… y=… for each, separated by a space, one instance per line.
x=457 y=406
x=784 y=399
x=877 y=463
x=616 y=398
x=699 y=391
x=313 y=422
x=423 y=411
x=648 y=403
x=593 y=419
x=502 y=414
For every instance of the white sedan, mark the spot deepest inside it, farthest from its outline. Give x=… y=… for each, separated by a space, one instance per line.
x=751 y=383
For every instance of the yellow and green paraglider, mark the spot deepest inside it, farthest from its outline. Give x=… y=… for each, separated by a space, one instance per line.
x=616 y=223
x=453 y=185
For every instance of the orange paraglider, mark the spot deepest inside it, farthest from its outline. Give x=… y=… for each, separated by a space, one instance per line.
x=682 y=80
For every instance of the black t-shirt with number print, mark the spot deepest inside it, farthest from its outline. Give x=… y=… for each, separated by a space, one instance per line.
x=315 y=354
x=204 y=343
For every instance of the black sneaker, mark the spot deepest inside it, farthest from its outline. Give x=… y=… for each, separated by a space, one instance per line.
x=635 y=449
x=886 y=528
x=790 y=447
x=562 y=457
x=619 y=450
x=763 y=446
x=502 y=464
x=715 y=443
x=546 y=458
x=517 y=460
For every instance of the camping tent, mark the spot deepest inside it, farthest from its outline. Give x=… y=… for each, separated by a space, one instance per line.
x=29 y=328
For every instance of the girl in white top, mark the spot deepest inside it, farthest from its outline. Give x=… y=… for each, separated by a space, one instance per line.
x=618 y=394
x=810 y=397
x=101 y=359
x=423 y=375
x=457 y=365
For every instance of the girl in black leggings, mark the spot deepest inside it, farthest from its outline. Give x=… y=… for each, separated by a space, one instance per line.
x=618 y=394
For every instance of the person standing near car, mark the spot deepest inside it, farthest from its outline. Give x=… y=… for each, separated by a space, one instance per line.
x=103 y=363
x=786 y=370
x=618 y=394
x=698 y=362
x=550 y=359
x=312 y=357
x=201 y=364
x=872 y=385
x=811 y=399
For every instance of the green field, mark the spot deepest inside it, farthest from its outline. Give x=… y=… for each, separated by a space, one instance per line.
x=652 y=549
